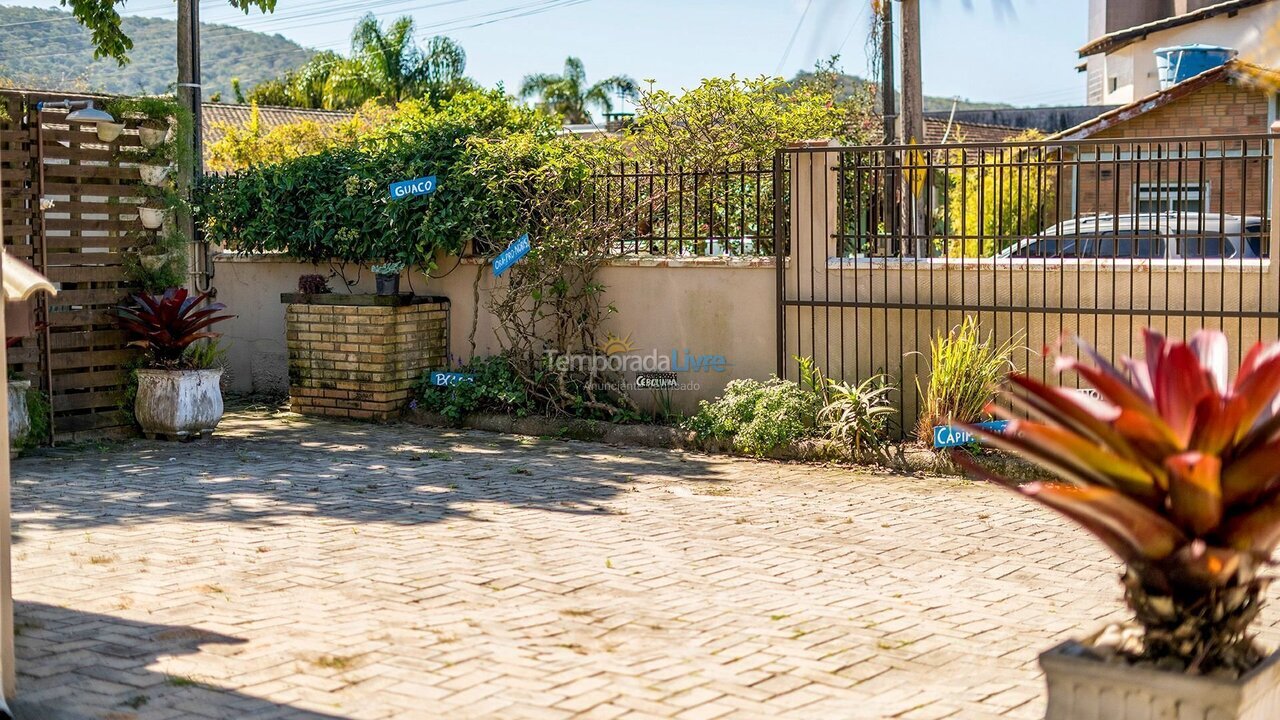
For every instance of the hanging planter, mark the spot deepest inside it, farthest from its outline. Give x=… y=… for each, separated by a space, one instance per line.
x=108 y=132
x=152 y=218
x=154 y=258
x=153 y=134
x=154 y=175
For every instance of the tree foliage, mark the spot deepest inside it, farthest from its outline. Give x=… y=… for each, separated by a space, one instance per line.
x=732 y=119
x=569 y=97
x=335 y=204
x=990 y=205
x=104 y=22
x=386 y=64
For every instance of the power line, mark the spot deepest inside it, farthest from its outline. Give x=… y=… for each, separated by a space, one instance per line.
x=857 y=21
x=485 y=18
x=535 y=8
x=795 y=34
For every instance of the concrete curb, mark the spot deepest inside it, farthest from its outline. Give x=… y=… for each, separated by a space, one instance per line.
x=899 y=457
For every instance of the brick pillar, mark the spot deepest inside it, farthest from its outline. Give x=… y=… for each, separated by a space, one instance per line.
x=360 y=361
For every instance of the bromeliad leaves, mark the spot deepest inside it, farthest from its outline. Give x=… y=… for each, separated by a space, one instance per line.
x=1174 y=468
x=165 y=325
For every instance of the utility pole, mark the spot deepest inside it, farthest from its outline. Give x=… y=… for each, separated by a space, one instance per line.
x=190 y=96
x=912 y=92
x=888 y=94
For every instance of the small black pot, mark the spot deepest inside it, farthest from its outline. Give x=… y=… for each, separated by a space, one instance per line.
x=388 y=284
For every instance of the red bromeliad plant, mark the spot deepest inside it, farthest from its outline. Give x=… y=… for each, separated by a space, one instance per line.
x=1177 y=471
x=165 y=325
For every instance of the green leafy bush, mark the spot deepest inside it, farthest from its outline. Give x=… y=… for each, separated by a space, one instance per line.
x=758 y=417
x=496 y=388
x=335 y=204
x=965 y=369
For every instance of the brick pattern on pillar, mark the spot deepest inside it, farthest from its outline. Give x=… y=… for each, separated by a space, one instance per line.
x=361 y=362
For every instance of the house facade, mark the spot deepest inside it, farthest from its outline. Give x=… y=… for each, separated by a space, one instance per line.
x=1214 y=162
x=1120 y=60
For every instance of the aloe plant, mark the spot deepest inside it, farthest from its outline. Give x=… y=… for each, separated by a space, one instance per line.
x=1176 y=469
x=165 y=325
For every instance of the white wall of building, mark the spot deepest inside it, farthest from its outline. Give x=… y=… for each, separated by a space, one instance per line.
x=1130 y=72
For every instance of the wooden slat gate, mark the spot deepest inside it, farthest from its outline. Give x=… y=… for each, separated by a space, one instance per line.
x=68 y=209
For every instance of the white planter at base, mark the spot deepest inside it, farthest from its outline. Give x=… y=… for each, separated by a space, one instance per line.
x=1084 y=688
x=19 y=412
x=178 y=404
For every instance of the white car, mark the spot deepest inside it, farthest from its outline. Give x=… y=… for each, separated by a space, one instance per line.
x=1165 y=236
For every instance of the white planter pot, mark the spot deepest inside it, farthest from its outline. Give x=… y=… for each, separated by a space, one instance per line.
x=1084 y=688
x=108 y=132
x=154 y=175
x=152 y=218
x=19 y=413
x=178 y=404
x=152 y=137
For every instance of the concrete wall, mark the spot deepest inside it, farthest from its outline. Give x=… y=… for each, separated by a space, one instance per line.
x=704 y=306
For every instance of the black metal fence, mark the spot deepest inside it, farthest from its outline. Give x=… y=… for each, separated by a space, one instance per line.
x=893 y=247
x=676 y=211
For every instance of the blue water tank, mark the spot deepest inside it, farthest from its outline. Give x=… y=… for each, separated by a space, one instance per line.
x=1180 y=62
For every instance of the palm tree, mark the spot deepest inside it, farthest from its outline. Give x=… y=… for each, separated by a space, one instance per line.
x=387 y=63
x=568 y=96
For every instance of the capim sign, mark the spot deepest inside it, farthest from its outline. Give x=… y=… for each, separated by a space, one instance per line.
x=946 y=436
x=419 y=186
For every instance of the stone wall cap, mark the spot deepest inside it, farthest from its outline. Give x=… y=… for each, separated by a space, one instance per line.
x=362 y=300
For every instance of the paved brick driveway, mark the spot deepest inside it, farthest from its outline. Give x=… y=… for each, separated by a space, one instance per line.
x=300 y=569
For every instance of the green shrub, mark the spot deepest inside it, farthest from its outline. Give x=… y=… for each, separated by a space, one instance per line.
x=758 y=417
x=335 y=204
x=496 y=388
x=858 y=415
x=965 y=369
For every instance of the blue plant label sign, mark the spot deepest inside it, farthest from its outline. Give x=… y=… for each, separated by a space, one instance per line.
x=446 y=379
x=417 y=186
x=511 y=255
x=945 y=436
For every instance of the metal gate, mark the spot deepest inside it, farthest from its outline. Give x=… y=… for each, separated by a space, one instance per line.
x=882 y=249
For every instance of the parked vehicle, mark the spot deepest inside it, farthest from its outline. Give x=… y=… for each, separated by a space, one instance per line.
x=1165 y=236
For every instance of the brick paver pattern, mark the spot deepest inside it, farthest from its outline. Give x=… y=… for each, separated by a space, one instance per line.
x=294 y=568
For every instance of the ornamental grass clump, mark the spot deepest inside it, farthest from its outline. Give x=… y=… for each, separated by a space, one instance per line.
x=1176 y=469
x=965 y=369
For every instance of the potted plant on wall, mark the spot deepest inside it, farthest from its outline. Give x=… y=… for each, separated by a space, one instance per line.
x=388 y=277
x=1177 y=471
x=178 y=396
x=154 y=115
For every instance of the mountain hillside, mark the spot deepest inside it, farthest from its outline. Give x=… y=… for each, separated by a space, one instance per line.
x=48 y=49
x=852 y=83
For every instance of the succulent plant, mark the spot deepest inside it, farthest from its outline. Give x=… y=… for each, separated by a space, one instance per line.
x=165 y=325
x=1176 y=469
x=312 y=285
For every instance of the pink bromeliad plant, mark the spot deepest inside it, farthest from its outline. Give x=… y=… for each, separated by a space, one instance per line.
x=1176 y=469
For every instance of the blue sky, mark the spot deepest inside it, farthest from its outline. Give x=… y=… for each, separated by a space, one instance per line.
x=1027 y=59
